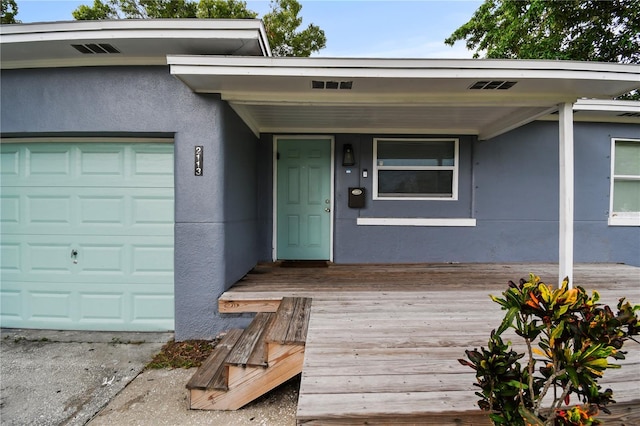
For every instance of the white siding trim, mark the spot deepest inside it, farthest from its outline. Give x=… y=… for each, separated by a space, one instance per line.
x=619 y=218
x=414 y=221
x=455 y=168
x=624 y=221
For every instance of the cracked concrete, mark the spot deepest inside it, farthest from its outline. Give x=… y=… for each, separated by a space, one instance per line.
x=67 y=377
x=159 y=397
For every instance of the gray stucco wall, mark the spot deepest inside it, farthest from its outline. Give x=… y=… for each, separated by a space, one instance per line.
x=240 y=197
x=509 y=184
x=223 y=219
x=214 y=246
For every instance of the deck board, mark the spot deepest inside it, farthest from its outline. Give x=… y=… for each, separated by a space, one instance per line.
x=383 y=340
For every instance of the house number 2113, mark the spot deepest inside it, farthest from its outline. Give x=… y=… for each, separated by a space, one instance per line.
x=198 y=161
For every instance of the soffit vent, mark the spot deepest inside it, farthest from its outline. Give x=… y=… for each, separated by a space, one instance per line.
x=629 y=114
x=332 y=85
x=492 y=85
x=93 y=48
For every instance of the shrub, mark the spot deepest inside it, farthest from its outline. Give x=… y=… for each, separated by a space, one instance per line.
x=569 y=339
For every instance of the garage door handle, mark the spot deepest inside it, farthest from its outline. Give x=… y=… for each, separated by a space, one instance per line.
x=74 y=256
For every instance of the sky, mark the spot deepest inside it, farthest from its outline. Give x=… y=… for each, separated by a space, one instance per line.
x=355 y=28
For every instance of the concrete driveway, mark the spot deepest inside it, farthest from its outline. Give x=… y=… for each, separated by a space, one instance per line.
x=67 y=377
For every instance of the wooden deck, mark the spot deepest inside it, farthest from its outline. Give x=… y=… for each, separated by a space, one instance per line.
x=383 y=340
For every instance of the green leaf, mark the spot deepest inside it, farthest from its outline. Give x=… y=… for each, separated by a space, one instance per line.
x=573 y=376
x=508 y=320
x=517 y=384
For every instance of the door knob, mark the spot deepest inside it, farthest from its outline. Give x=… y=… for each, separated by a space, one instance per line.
x=327 y=209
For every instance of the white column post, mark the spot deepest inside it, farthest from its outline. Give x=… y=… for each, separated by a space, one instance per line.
x=565 y=259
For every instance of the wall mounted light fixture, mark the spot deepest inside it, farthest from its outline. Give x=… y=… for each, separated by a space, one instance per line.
x=348 y=159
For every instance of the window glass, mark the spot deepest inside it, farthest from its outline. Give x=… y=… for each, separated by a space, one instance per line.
x=626 y=196
x=627 y=156
x=415 y=153
x=415 y=168
x=423 y=183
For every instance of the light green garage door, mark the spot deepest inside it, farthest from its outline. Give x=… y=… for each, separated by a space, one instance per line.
x=87 y=235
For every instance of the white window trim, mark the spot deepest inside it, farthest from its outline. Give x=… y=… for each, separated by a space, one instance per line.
x=620 y=218
x=414 y=221
x=455 y=168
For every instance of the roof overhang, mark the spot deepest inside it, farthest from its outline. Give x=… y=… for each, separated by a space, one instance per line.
x=403 y=96
x=138 y=42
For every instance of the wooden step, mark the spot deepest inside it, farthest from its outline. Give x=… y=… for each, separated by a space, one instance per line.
x=212 y=374
x=292 y=322
x=251 y=349
x=266 y=354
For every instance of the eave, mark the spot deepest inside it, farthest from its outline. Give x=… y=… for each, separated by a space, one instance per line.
x=400 y=96
x=139 y=42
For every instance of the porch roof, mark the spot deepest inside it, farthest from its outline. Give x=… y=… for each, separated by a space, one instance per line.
x=136 y=42
x=405 y=96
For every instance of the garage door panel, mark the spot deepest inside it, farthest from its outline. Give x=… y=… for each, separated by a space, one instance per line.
x=91 y=164
x=101 y=210
x=111 y=203
x=154 y=161
x=9 y=162
x=102 y=307
x=49 y=161
x=152 y=260
x=49 y=210
x=149 y=210
x=11 y=301
x=102 y=161
x=125 y=306
x=52 y=211
x=47 y=305
x=151 y=308
x=9 y=210
x=49 y=258
x=100 y=259
x=10 y=256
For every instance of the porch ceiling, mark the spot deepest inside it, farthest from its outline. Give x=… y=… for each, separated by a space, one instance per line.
x=397 y=96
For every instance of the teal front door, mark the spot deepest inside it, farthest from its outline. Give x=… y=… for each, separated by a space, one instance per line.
x=304 y=199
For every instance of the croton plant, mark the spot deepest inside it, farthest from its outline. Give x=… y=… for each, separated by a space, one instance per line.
x=570 y=340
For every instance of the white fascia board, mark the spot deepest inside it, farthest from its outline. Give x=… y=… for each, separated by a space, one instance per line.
x=382 y=130
x=129 y=34
x=417 y=221
x=130 y=25
x=159 y=29
x=404 y=68
x=466 y=99
x=606 y=105
x=89 y=61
